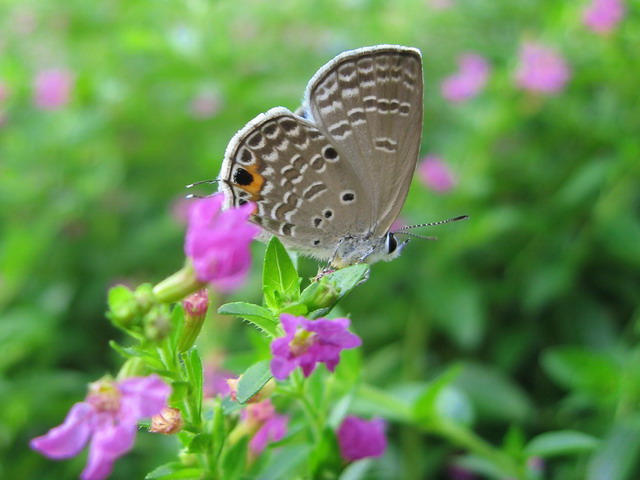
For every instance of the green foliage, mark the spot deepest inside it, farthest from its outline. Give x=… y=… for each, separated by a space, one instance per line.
x=524 y=319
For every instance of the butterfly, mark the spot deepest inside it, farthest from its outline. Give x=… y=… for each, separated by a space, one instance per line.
x=331 y=178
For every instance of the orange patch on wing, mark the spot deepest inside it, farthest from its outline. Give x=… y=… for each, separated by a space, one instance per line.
x=255 y=187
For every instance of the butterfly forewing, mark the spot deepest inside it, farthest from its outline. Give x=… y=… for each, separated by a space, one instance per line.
x=298 y=180
x=369 y=102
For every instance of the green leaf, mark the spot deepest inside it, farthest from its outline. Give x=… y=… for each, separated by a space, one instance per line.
x=285 y=463
x=582 y=369
x=174 y=470
x=200 y=443
x=280 y=281
x=562 y=442
x=259 y=316
x=346 y=279
x=253 y=380
x=618 y=454
x=425 y=407
x=193 y=366
x=484 y=385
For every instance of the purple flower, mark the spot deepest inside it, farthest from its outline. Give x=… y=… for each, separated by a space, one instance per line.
x=215 y=378
x=107 y=420
x=468 y=81
x=308 y=342
x=218 y=241
x=436 y=174
x=602 y=16
x=52 y=88
x=359 y=438
x=541 y=69
x=266 y=423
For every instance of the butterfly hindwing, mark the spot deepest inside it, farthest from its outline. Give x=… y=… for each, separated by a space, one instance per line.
x=299 y=180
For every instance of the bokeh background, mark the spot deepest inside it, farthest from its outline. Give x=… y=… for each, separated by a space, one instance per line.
x=109 y=108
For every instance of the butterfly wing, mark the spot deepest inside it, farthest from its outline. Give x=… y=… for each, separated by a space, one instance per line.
x=369 y=103
x=299 y=180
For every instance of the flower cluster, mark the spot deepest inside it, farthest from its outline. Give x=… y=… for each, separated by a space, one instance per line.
x=602 y=16
x=468 y=81
x=107 y=420
x=436 y=174
x=217 y=242
x=309 y=342
x=541 y=69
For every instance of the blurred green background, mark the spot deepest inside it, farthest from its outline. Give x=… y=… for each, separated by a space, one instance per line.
x=537 y=296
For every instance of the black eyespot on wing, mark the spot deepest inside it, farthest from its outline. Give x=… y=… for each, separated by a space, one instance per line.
x=242 y=177
x=328 y=213
x=348 y=197
x=330 y=153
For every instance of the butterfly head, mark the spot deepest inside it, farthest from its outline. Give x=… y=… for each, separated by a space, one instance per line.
x=366 y=249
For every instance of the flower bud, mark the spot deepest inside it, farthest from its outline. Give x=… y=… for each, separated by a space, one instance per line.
x=157 y=325
x=195 y=311
x=123 y=308
x=320 y=294
x=167 y=422
x=265 y=392
x=178 y=285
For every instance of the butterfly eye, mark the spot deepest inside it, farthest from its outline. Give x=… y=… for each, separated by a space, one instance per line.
x=390 y=243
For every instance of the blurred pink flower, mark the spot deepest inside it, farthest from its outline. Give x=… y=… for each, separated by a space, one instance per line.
x=309 y=342
x=436 y=174
x=541 y=69
x=52 y=88
x=440 y=4
x=215 y=378
x=217 y=242
x=107 y=420
x=602 y=16
x=468 y=81
x=268 y=426
x=359 y=438
x=205 y=104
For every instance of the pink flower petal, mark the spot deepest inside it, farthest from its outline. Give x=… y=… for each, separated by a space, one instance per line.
x=359 y=438
x=143 y=396
x=273 y=430
x=67 y=439
x=436 y=174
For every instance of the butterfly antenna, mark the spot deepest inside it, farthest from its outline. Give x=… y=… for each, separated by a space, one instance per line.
x=191 y=185
x=415 y=235
x=454 y=219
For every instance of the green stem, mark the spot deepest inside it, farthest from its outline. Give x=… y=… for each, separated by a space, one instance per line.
x=465 y=438
x=310 y=411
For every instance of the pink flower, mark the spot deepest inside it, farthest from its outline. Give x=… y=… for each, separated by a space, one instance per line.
x=359 y=438
x=215 y=378
x=206 y=104
x=308 y=342
x=107 y=420
x=440 y=4
x=52 y=88
x=436 y=174
x=267 y=425
x=602 y=16
x=472 y=75
x=541 y=69
x=218 y=242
